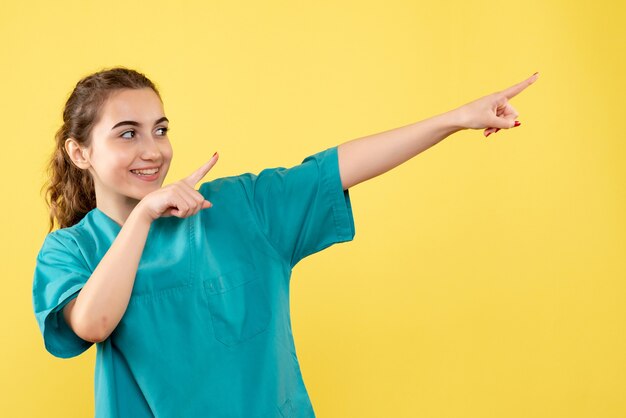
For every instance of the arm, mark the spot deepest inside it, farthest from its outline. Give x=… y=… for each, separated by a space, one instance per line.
x=101 y=303
x=364 y=158
x=367 y=157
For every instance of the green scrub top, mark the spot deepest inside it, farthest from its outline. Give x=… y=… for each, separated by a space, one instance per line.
x=207 y=331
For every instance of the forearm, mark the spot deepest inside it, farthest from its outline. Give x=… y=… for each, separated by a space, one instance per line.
x=367 y=157
x=103 y=300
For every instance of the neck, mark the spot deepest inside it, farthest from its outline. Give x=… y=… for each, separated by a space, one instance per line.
x=119 y=211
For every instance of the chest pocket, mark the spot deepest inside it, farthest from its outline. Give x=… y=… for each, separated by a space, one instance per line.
x=238 y=304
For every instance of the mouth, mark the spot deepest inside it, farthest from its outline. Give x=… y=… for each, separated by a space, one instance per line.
x=147 y=174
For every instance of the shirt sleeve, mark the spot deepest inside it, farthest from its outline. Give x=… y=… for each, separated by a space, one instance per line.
x=302 y=209
x=60 y=273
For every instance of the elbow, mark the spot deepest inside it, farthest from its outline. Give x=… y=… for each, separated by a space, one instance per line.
x=92 y=332
x=83 y=325
x=93 y=338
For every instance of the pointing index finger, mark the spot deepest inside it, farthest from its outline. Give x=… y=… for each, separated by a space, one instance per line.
x=517 y=88
x=197 y=175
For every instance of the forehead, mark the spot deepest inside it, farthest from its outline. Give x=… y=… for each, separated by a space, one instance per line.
x=141 y=105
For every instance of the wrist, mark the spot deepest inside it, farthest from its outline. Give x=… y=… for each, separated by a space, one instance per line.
x=455 y=120
x=448 y=123
x=141 y=214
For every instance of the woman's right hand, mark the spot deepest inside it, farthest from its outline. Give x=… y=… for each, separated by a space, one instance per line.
x=179 y=199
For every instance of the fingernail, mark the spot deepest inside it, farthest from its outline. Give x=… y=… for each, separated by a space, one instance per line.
x=536 y=73
x=497 y=130
x=214 y=154
x=489 y=133
x=517 y=123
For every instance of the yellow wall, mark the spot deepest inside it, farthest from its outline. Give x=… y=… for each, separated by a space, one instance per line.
x=487 y=276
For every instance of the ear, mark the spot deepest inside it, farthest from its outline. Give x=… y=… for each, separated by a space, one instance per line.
x=77 y=154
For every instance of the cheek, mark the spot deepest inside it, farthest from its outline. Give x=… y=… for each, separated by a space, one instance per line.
x=167 y=152
x=120 y=163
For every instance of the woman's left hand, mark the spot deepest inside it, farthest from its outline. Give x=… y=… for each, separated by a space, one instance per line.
x=493 y=111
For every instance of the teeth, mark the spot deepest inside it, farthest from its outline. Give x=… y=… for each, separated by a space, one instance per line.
x=148 y=172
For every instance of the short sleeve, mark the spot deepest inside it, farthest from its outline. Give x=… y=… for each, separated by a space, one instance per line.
x=60 y=273
x=302 y=209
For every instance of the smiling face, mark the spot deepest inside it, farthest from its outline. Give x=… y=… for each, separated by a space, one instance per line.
x=130 y=135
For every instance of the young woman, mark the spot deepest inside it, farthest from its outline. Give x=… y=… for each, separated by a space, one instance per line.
x=185 y=291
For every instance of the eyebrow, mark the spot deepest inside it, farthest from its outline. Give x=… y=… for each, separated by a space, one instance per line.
x=132 y=122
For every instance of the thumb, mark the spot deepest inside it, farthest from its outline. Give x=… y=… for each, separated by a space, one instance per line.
x=503 y=122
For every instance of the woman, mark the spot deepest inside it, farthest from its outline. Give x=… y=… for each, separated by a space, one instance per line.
x=185 y=291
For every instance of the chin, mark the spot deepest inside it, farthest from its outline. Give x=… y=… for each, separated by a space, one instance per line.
x=140 y=194
x=143 y=193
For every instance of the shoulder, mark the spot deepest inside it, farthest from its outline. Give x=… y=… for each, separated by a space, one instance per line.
x=235 y=186
x=227 y=183
x=69 y=239
x=242 y=183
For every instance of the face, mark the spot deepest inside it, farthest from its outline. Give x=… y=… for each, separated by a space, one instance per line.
x=131 y=135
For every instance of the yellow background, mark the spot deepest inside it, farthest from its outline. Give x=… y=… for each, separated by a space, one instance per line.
x=487 y=275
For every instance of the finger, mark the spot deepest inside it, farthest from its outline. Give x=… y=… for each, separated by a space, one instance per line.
x=517 y=88
x=510 y=112
x=515 y=123
x=510 y=115
x=181 y=207
x=505 y=118
x=202 y=203
x=179 y=211
x=197 y=175
x=190 y=200
x=186 y=196
x=196 y=198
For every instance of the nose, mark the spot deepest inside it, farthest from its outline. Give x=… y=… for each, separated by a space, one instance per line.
x=150 y=150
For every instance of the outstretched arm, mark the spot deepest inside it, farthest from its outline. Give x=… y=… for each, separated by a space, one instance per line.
x=364 y=158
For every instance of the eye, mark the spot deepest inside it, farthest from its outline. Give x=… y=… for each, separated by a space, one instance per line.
x=127 y=132
x=164 y=130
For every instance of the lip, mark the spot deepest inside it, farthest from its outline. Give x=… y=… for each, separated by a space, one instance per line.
x=146 y=168
x=151 y=177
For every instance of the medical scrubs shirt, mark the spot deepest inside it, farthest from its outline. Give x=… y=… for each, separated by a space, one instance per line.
x=207 y=331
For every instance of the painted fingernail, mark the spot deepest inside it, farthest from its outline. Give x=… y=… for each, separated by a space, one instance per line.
x=489 y=133
x=214 y=154
x=517 y=123
x=497 y=130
